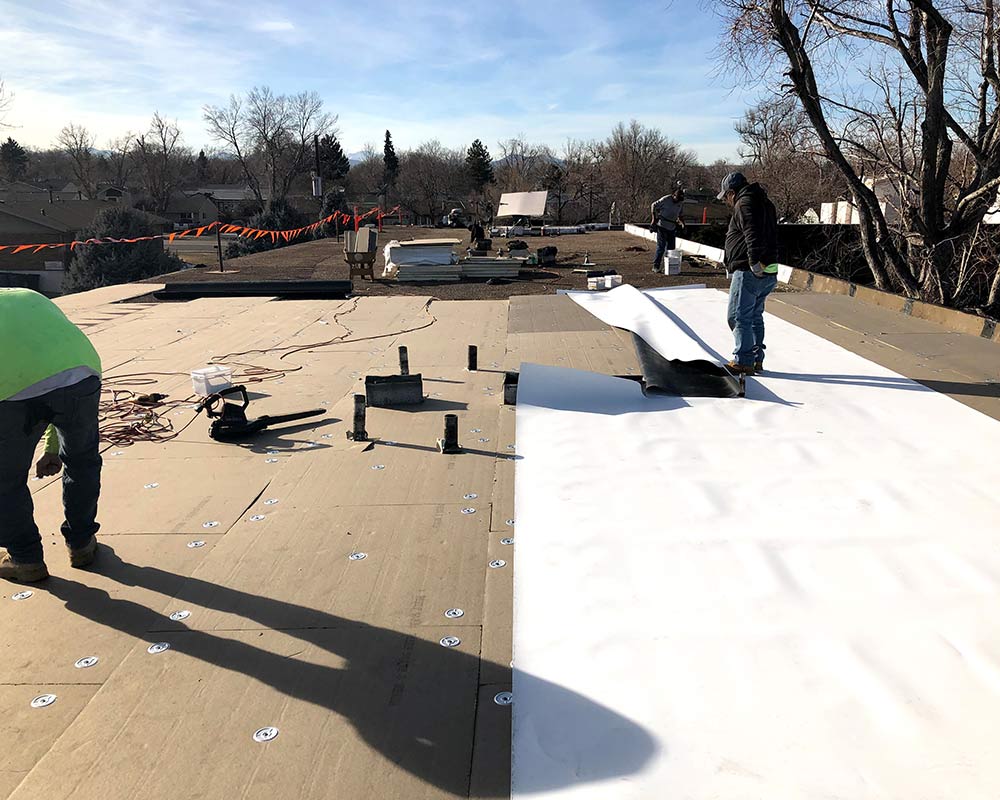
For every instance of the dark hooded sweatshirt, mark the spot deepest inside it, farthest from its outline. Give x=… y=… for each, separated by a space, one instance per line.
x=753 y=230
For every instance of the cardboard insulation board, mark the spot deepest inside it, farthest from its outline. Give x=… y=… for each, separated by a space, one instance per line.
x=167 y=495
x=416 y=563
x=351 y=706
x=788 y=595
x=61 y=622
x=351 y=661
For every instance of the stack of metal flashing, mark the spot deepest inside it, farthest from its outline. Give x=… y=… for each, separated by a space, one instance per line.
x=487 y=267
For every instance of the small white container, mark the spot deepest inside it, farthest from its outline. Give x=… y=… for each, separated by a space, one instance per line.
x=672 y=262
x=209 y=380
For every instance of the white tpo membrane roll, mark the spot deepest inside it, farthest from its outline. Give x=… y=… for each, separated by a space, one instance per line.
x=792 y=595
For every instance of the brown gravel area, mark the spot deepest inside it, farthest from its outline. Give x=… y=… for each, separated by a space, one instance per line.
x=323 y=260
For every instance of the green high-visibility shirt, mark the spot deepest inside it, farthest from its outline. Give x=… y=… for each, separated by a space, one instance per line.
x=38 y=342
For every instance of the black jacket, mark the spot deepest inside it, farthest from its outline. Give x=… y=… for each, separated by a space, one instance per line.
x=753 y=230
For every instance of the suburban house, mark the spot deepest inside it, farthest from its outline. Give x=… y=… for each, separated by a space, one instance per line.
x=19 y=190
x=185 y=209
x=42 y=222
x=229 y=199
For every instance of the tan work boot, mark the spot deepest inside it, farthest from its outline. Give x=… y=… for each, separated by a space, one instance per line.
x=12 y=570
x=740 y=369
x=83 y=556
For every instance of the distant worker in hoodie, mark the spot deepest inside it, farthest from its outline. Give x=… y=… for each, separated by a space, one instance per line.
x=667 y=217
x=50 y=384
x=751 y=253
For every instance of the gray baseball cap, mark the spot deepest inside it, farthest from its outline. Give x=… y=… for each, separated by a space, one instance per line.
x=733 y=182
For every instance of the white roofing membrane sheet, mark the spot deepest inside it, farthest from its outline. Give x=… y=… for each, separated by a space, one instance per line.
x=791 y=595
x=522 y=204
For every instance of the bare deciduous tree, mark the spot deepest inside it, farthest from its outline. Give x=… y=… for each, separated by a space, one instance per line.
x=78 y=144
x=119 y=159
x=896 y=93
x=6 y=99
x=271 y=136
x=431 y=179
x=780 y=147
x=162 y=159
x=521 y=165
x=640 y=164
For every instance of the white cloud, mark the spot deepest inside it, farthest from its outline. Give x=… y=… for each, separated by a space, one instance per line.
x=273 y=26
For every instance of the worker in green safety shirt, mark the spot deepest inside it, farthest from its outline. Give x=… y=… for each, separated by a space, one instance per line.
x=50 y=383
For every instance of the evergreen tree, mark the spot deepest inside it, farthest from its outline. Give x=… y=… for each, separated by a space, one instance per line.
x=390 y=162
x=110 y=264
x=13 y=160
x=333 y=161
x=201 y=166
x=479 y=166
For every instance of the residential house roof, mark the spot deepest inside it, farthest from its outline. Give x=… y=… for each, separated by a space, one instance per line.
x=66 y=216
x=233 y=192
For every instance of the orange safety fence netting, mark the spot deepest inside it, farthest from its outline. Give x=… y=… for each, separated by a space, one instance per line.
x=239 y=230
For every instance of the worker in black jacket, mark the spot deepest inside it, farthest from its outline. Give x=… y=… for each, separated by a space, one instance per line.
x=751 y=253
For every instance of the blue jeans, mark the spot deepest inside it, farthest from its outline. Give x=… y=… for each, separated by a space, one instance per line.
x=747 y=294
x=73 y=411
x=665 y=240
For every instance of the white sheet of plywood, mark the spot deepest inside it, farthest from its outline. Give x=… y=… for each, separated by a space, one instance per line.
x=522 y=204
x=787 y=596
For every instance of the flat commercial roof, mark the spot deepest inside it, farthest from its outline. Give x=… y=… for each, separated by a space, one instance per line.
x=246 y=558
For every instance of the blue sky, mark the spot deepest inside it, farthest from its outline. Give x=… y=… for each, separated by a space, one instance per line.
x=451 y=71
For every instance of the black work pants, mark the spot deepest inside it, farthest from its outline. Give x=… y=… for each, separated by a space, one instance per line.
x=73 y=410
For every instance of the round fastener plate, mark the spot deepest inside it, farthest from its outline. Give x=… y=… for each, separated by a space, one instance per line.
x=358 y=556
x=265 y=734
x=388 y=441
x=43 y=700
x=454 y=613
x=256 y=517
x=118 y=453
x=271 y=452
x=180 y=616
x=22 y=595
x=150 y=486
x=511 y=447
x=509 y=522
x=468 y=511
x=85 y=663
x=270 y=461
x=159 y=647
x=503 y=698
x=450 y=641
x=476 y=430
x=326 y=436
x=484 y=440
x=197 y=543
x=210 y=524
x=272 y=502
x=498 y=563
x=508 y=540
x=471 y=496
x=378 y=466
